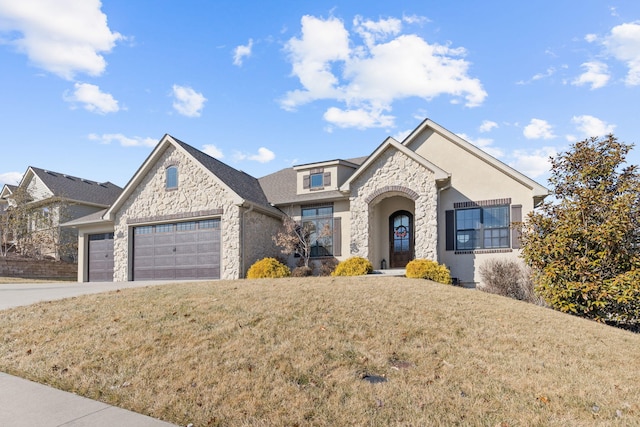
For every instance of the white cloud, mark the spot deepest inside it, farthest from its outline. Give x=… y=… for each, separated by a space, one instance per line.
x=213 y=151
x=187 y=101
x=264 y=155
x=538 y=129
x=533 y=163
x=64 y=37
x=589 y=126
x=241 y=52
x=367 y=78
x=597 y=75
x=372 y=31
x=487 y=126
x=359 y=118
x=401 y=135
x=12 y=178
x=624 y=44
x=124 y=141
x=548 y=73
x=93 y=99
x=590 y=38
x=485 y=144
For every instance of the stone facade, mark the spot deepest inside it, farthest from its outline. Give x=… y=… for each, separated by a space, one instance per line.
x=394 y=173
x=198 y=192
x=257 y=241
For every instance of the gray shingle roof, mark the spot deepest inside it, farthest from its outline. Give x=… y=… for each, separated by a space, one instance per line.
x=246 y=186
x=78 y=189
x=280 y=187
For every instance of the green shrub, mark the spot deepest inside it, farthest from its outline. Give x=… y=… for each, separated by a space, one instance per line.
x=354 y=266
x=428 y=269
x=268 y=268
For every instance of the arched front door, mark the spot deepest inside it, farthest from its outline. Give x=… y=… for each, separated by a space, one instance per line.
x=400 y=239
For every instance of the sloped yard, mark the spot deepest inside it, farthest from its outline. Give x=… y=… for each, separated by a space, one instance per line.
x=328 y=351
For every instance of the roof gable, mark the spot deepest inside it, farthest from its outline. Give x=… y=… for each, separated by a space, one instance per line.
x=538 y=190
x=242 y=187
x=45 y=183
x=391 y=143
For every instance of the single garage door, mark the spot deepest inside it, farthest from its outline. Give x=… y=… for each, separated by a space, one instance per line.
x=101 y=257
x=183 y=250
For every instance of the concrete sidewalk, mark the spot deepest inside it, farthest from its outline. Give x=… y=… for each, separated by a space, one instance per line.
x=25 y=403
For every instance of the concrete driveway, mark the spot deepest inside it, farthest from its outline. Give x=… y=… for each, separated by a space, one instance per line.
x=19 y=294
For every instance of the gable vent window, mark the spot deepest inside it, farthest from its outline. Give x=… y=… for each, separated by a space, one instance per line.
x=172 y=178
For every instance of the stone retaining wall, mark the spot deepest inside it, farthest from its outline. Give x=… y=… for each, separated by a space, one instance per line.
x=34 y=269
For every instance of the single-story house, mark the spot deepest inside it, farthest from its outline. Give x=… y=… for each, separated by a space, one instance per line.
x=186 y=215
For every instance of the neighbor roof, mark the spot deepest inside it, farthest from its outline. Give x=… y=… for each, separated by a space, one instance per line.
x=77 y=189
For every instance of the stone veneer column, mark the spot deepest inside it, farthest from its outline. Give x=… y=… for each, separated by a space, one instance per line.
x=400 y=175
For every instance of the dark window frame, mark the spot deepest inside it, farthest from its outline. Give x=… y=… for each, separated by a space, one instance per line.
x=319 y=216
x=482 y=227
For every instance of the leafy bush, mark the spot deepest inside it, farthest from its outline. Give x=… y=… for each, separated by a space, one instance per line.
x=268 y=268
x=302 y=271
x=354 y=266
x=428 y=269
x=509 y=278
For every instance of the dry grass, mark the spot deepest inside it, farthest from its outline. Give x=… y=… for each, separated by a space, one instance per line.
x=295 y=351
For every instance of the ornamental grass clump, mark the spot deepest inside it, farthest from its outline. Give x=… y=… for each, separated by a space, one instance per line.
x=268 y=268
x=354 y=266
x=428 y=269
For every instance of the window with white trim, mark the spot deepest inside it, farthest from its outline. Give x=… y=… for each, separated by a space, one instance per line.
x=171 y=178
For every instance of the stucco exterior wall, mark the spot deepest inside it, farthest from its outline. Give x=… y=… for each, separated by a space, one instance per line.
x=199 y=194
x=472 y=179
x=401 y=175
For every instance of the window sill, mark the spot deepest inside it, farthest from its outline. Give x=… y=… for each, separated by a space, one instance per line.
x=484 y=251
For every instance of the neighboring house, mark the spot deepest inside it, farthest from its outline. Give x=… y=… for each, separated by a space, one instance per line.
x=51 y=198
x=186 y=215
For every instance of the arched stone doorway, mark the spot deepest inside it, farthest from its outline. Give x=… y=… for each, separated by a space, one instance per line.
x=401 y=240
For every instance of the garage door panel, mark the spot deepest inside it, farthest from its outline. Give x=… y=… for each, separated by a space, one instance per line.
x=100 y=263
x=177 y=251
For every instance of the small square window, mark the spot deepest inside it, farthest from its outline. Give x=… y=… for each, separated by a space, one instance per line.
x=316 y=180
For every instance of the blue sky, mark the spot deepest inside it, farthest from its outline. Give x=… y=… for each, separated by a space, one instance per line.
x=88 y=88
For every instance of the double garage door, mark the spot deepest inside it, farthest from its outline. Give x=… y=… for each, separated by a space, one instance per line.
x=183 y=250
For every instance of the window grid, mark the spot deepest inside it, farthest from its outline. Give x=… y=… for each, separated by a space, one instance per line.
x=482 y=228
x=319 y=220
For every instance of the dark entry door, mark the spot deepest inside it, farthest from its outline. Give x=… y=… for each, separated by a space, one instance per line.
x=400 y=239
x=101 y=257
